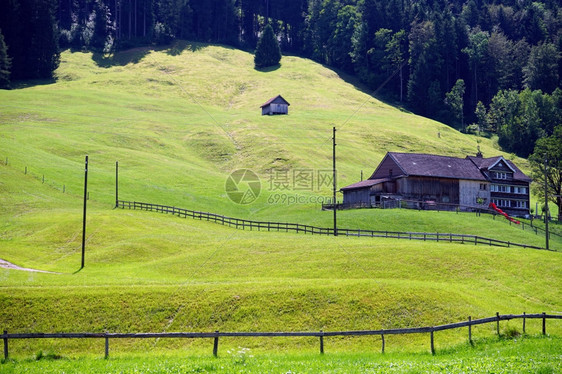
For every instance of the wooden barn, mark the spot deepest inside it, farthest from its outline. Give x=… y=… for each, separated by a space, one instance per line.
x=275 y=105
x=429 y=181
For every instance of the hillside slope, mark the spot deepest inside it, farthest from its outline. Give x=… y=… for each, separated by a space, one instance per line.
x=179 y=120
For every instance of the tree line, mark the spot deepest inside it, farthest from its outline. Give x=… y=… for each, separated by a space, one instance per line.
x=485 y=66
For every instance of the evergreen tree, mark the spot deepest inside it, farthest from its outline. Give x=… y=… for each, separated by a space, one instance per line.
x=43 y=56
x=340 y=42
x=481 y=117
x=455 y=100
x=103 y=33
x=5 y=64
x=551 y=147
x=424 y=91
x=476 y=51
x=396 y=56
x=268 y=52
x=541 y=71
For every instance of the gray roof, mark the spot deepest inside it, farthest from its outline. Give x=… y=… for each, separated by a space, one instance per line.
x=486 y=163
x=278 y=99
x=365 y=183
x=424 y=165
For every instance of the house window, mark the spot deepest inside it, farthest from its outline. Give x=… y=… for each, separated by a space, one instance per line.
x=519 y=204
x=483 y=186
x=519 y=190
x=500 y=188
x=500 y=175
x=502 y=203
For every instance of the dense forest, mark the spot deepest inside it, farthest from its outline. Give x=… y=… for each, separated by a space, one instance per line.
x=488 y=66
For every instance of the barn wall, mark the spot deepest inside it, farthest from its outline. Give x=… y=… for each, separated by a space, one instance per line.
x=383 y=170
x=280 y=108
x=441 y=190
x=275 y=109
x=470 y=191
x=356 y=196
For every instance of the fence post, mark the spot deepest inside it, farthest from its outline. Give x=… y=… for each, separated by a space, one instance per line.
x=26 y=170
x=523 y=322
x=321 y=342
x=382 y=337
x=543 y=323
x=216 y=344
x=432 y=343
x=5 y=345
x=470 y=330
x=106 y=347
x=498 y=323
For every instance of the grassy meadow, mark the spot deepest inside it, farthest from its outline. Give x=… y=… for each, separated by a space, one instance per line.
x=519 y=355
x=179 y=120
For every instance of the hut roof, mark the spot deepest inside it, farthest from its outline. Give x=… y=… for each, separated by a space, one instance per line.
x=278 y=98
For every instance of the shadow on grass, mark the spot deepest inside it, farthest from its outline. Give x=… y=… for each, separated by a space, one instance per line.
x=179 y=46
x=268 y=69
x=18 y=85
x=121 y=58
x=137 y=54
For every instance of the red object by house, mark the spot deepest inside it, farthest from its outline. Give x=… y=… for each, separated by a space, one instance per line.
x=494 y=207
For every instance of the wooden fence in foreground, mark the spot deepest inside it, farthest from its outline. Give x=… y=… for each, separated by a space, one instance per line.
x=319 y=334
x=313 y=230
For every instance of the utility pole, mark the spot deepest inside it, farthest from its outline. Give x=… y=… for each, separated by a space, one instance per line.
x=116 y=184
x=334 y=178
x=84 y=216
x=546 y=202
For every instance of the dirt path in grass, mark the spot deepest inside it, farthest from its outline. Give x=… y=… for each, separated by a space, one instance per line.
x=8 y=265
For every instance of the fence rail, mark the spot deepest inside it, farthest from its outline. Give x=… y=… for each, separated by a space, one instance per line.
x=313 y=230
x=424 y=205
x=318 y=334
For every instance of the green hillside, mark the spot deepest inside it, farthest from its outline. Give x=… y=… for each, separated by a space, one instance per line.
x=179 y=120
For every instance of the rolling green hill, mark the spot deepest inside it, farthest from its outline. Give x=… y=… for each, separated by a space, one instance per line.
x=179 y=120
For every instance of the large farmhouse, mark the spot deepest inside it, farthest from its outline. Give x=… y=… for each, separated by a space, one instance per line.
x=427 y=181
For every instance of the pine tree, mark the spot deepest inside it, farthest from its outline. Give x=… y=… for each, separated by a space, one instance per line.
x=5 y=64
x=551 y=147
x=455 y=100
x=268 y=52
x=43 y=55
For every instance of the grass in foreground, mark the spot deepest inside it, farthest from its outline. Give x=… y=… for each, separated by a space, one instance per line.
x=151 y=272
x=523 y=354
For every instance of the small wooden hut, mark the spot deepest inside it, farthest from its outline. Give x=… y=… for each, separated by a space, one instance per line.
x=275 y=105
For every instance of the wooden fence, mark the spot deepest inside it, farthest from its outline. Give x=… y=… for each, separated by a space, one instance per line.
x=421 y=205
x=318 y=334
x=313 y=230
